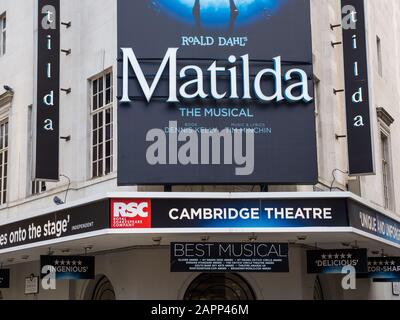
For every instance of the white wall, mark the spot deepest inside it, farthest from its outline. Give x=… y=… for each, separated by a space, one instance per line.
x=143 y=274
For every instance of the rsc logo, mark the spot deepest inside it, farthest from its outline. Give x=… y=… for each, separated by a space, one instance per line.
x=219 y=14
x=129 y=213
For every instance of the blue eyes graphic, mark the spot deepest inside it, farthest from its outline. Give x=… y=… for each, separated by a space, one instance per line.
x=218 y=14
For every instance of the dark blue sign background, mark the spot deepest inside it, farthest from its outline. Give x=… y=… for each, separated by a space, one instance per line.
x=333 y=261
x=384 y=269
x=229 y=257
x=70 y=267
x=373 y=222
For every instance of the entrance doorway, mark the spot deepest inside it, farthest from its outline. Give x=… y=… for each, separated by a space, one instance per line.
x=100 y=289
x=216 y=286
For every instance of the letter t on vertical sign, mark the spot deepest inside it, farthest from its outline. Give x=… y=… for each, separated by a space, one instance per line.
x=358 y=112
x=48 y=91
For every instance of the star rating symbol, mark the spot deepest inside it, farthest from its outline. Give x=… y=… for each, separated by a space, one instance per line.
x=336 y=256
x=343 y=256
x=375 y=263
x=79 y=263
x=62 y=262
x=68 y=263
x=349 y=256
x=392 y=263
x=381 y=263
x=323 y=256
x=387 y=263
x=74 y=263
x=329 y=256
x=369 y=263
x=56 y=262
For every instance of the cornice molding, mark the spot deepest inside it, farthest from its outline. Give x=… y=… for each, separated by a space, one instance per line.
x=385 y=116
x=6 y=98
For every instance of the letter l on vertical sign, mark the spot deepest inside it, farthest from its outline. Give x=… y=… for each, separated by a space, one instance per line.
x=48 y=91
x=359 y=134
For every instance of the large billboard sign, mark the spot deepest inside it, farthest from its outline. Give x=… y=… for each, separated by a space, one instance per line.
x=215 y=91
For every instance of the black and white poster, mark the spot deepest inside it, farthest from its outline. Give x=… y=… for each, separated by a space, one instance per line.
x=4 y=278
x=31 y=285
x=48 y=91
x=359 y=134
x=215 y=92
x=333 y=261
x=229 y=257
x=69 y=267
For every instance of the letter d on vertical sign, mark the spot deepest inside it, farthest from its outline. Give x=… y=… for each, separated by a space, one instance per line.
x=47 y=132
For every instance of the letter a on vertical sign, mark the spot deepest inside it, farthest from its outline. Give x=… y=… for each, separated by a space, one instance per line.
x=358 y=112
x=48 y=91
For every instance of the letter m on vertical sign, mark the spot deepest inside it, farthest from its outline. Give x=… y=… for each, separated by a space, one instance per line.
x=47 y=131
x=358 y=112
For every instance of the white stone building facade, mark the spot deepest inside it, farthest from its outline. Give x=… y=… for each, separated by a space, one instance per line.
x=139 y=269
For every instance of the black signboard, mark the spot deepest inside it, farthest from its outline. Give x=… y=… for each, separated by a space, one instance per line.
x=373 y=222
x=229 y=257
x=333 y=261
x=69 y=267
x=4 y=278
x=73 y=221
x=248 y=213
x=215 y=92
x=384 y=269
x=359 y=134
x=48 y=91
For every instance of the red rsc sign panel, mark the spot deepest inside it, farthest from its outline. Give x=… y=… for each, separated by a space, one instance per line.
x=130 y=213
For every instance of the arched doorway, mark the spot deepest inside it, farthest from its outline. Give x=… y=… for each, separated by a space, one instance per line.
x=100 y=289
x=219 y=286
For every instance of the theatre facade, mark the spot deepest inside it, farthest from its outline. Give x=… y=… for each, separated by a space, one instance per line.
x=189 y=150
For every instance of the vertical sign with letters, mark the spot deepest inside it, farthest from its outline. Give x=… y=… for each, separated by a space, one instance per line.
x=48 y=91
x=358 y=113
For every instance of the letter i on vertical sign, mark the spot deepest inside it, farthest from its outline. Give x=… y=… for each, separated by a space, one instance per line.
x=48 y=91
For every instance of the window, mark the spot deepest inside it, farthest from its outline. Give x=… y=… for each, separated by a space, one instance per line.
x=385 y=121
x=3 y=161
x=38 y=187
x=3 y=34
x=386 y=171
x=102 y=125
x=379 y=54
